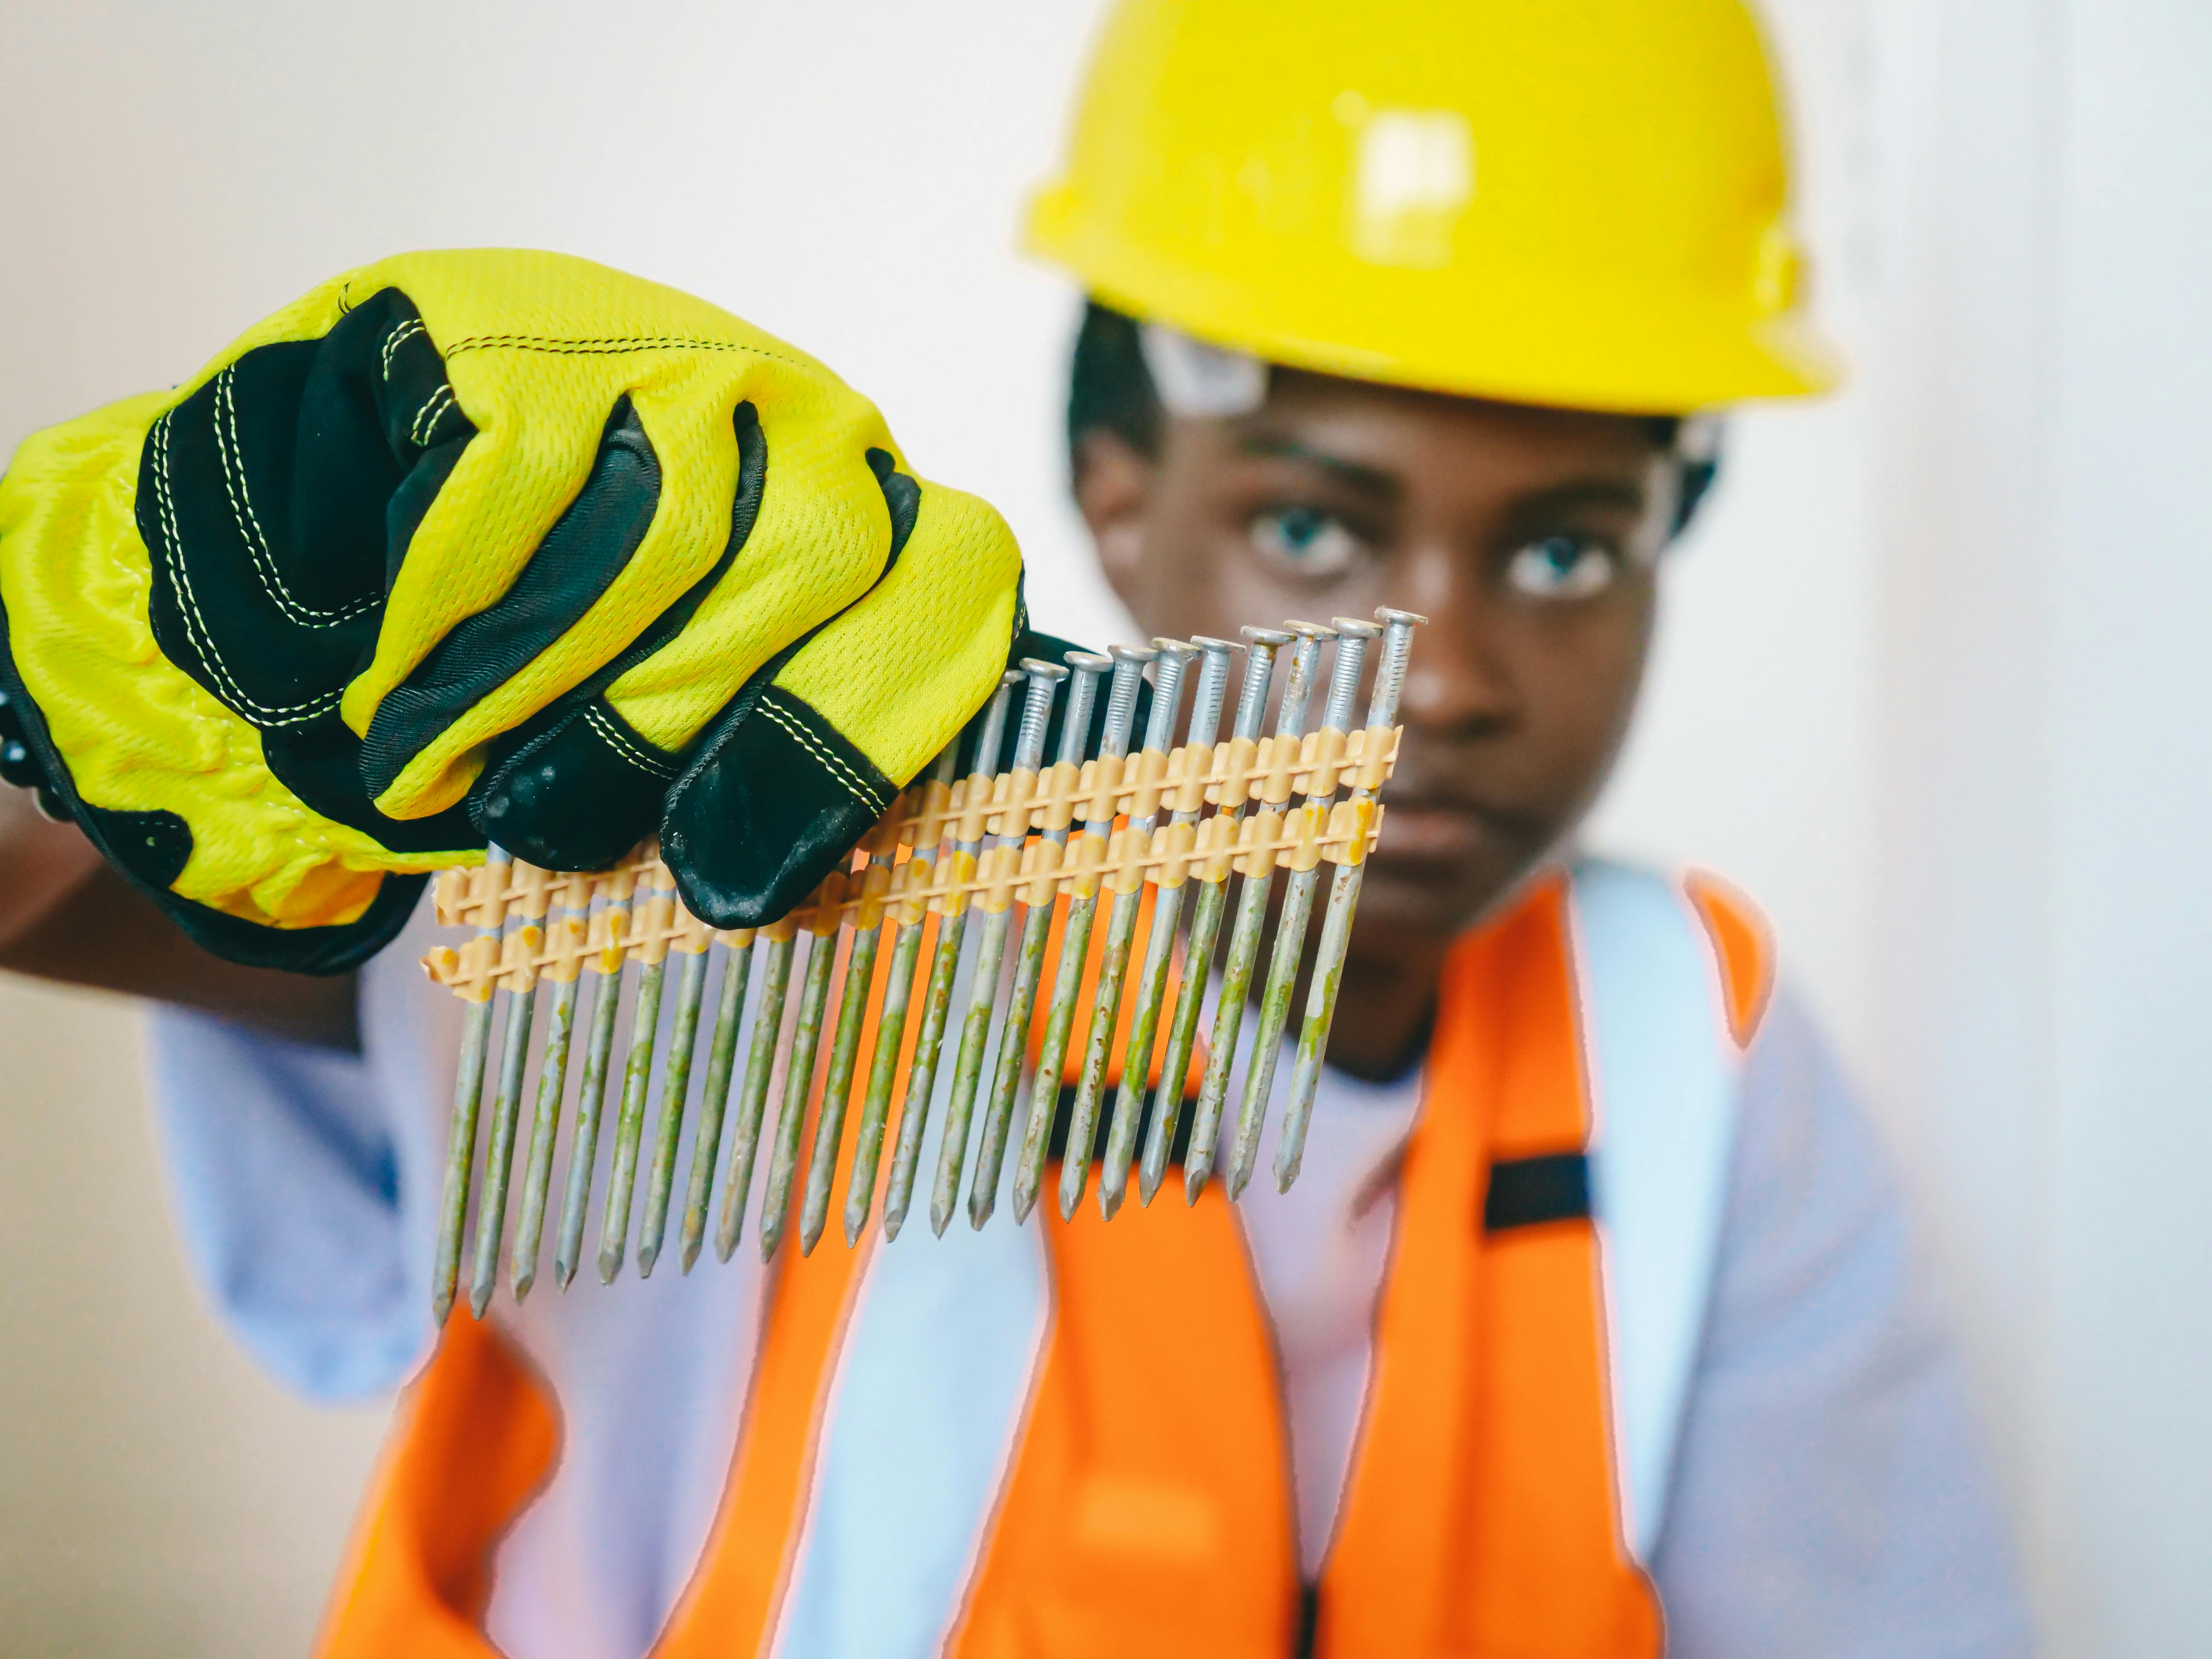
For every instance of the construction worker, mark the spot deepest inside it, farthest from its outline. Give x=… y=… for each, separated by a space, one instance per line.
x=1592 y=1325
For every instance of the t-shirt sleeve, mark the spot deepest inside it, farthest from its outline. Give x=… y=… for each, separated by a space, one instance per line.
x=305 y=1181
x=1830 y=1496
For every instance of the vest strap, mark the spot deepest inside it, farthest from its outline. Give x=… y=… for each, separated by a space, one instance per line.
x=1527 y=1192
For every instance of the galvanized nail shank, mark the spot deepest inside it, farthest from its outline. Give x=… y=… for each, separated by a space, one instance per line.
x=715 y=1096
x=1120 y=929
x=468 y=1092
x=890 y=1026
x=1036 y=1128
x=1114 y=959
x=1352 y=637
x=1336 y=925
x=1244 y=938
x=1085 y=669
x=937 y=1001
x=983 y=983
x=1182 y=1022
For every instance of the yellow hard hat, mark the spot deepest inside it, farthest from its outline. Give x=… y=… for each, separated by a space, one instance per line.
x=1581 y=204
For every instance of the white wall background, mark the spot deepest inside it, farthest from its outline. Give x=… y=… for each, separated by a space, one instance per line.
x=2045 y=959
x=1930 y=683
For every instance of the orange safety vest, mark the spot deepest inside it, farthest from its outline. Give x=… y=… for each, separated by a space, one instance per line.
x=1144 y=1502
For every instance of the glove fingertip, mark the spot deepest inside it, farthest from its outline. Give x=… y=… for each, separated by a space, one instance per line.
x=577 y=795
x=771 y=807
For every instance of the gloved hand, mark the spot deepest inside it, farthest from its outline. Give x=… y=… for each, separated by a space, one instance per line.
x=494 y=543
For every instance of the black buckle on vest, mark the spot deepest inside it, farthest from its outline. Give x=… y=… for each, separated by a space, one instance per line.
x=1525 y=1192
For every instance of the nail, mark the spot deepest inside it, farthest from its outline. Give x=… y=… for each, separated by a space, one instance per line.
x=1398 y=628
x=690 y=947
x=1290 y=924
x=544 y=1127
x=930 y=855
x=1043 y=680
x=499 y=1154
x=875 y=1105
x=1122 y=1133
x=568 y=935
x=607 y=965
x=845 y=1039
x=1244 y=937
x=1086 y=667
x=1183 y=1025
x=772 y=949
x=630 y=1120
x=468 y=1092
x=937 y=998
x=1083 y=667
x=798 y=1076
x=735 y=949
x=1075 y=1162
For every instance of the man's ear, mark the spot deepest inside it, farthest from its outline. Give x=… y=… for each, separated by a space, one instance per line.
x=1113 y=489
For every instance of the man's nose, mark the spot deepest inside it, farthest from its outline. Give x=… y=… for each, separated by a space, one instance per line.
x=1456 y=680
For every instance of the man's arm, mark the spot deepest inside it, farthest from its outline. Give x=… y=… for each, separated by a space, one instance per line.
x=1830 y=1499
x=66 y=915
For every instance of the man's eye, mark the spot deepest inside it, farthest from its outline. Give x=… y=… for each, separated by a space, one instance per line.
x=1562 y=568
x=1307 y=540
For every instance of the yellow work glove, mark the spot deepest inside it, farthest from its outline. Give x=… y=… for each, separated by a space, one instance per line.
x=486 y=543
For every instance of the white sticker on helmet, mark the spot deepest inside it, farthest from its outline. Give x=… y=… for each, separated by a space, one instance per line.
x=1698 y=439
x=1416 y=176
x=1199 y=381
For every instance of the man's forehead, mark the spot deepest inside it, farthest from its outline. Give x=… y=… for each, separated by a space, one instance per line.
x=1382 y=440
x=1295 y=396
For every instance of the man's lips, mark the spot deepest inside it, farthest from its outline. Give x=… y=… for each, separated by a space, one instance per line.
x=1429 y=832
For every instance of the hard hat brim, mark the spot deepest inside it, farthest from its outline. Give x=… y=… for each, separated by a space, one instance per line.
x=1596 y=344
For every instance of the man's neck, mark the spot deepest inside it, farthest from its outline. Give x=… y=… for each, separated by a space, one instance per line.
x=1385 y=1010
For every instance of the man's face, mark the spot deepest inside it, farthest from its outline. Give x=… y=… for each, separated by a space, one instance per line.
x=1527 y=537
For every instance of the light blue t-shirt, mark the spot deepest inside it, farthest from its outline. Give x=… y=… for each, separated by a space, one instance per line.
x=1827 y=1495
